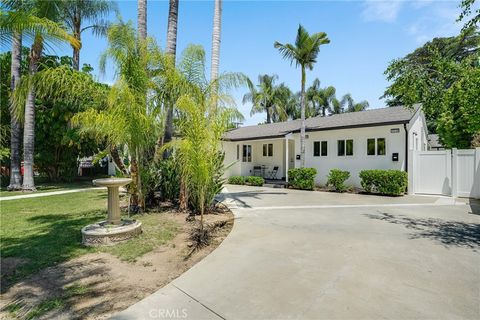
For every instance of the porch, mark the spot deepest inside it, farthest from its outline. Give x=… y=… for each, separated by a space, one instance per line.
x=267 y=158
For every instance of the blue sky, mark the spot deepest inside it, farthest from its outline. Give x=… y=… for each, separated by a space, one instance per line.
x=365 y=36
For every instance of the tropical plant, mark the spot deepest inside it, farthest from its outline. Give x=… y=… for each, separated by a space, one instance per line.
x=336 y=178
x=304 y=53
x=268 y=97
x=75 y=13
x=38 y=22
x=319 y=100
x=349 y=105
x=142 y=19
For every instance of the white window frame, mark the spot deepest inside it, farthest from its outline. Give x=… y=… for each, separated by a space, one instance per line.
x=376 y=154
x=267 y=146
x=245 y=149
x=345 y=148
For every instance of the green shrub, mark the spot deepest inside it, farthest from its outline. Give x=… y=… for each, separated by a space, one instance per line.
x=387 y=182
x=337 y=178
x=254 y=181
x=302 y=178
x=236 y=180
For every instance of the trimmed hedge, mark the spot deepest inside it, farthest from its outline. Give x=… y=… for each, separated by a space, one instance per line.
x=254 y=181
x=236 y=180
x=302 y=178
x=387 y=182
x=337 y=178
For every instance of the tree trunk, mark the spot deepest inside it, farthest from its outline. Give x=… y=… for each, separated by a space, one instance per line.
x=142 y=19
x=117 y=160
x=302 y=116
x=15 y=127
x=269 y=114
x=29 y=126
x=171 y=50
x=217 y=26
x=76 y=35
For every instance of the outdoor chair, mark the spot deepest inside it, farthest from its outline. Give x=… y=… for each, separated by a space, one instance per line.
x=273 y=174
x=257 y=170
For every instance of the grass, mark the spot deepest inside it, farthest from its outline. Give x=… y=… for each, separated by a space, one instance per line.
x=45 y=231
x=45 y=186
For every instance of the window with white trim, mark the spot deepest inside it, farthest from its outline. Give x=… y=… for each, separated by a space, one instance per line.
x=320 y=148
x=247 y=153
x=268 y=149
x=376 y=146
x=345 y=147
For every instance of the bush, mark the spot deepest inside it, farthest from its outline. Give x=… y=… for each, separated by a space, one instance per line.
x=387 y=182
x=254 y=181
x=302 y=178
x=337 y=178
x=236 y=180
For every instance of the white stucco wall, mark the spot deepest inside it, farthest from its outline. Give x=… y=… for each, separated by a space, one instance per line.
x=417 y=133
x=395 y=143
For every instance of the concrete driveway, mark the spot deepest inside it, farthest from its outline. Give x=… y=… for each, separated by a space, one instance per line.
x=314 y=255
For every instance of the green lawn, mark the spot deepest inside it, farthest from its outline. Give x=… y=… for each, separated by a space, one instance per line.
x=45 y=186
x=45 y=231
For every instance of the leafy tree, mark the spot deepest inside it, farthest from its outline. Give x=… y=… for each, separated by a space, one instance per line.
x=468 y=6
x=268 y=97
x=77 y=13
x=349 y=105
x=304 y=53
x=441 y=75
x=37 y=21
x=320 y=99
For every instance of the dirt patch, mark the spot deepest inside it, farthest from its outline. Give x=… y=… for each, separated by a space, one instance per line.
x=98 y=285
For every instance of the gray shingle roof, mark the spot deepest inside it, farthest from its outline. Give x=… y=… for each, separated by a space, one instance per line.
x=434 y=141
x=372 y=117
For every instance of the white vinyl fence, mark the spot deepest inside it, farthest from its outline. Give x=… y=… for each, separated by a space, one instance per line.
x=453 y=173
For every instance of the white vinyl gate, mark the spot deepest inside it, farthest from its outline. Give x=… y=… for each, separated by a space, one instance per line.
x=450 y=172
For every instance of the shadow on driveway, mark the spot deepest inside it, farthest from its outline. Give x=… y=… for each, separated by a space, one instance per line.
x=449 y=233
x=241 y=197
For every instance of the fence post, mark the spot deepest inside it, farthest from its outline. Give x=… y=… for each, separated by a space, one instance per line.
x=476 y=173
x=454 y=172
x=411 y=171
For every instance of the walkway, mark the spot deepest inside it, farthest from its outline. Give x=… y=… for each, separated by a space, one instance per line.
x=314 y=255
x=48 y=193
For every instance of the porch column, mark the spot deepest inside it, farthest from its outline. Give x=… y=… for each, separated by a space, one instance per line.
x=286 y=159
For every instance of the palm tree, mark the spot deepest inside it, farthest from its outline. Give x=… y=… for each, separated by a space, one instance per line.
x=217 y=26
x=93 y=12
x=142 y=19
x=37 y=22
x=267 y=98
x=349 y=105
x=171 y=51
x=15 y=127
x=304 y=53
x=335 y=107
x=320 y=99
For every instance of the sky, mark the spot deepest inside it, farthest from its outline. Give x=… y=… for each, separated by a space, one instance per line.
x=365 y=36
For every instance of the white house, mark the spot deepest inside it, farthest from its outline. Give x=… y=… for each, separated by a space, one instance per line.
x=372 y=139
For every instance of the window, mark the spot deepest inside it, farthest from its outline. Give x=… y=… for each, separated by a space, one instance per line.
x=376 y=147
x=381 y=146
x=316 y=148
x=238 y=152
x=268 y=150
x=247 y=153
x=345 y=147
x=341 y=147
x=324 y=149
x=371 y=147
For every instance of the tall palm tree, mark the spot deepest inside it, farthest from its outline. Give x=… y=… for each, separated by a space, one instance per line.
x=320 y=99
x=335 y=107
x=15 y=127
x=349 y=105
x=38 y=22
x=171 y=51
x=78 y=12
x=217 y=27
x=267 y=97
x=142 y=18
x=304 y=53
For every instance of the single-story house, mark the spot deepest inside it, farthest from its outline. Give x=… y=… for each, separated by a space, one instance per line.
x=434 y=142
x=372 y=139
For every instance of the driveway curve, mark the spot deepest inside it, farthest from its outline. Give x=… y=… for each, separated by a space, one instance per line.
x=315 y=255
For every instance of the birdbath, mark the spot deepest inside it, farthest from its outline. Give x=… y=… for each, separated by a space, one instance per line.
x=112 y=185
x=114 y=229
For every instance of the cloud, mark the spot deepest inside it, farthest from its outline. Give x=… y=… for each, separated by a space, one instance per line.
x=381 y=10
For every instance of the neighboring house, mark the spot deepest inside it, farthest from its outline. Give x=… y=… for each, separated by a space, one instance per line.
x=372 y=139
x=434 y=143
